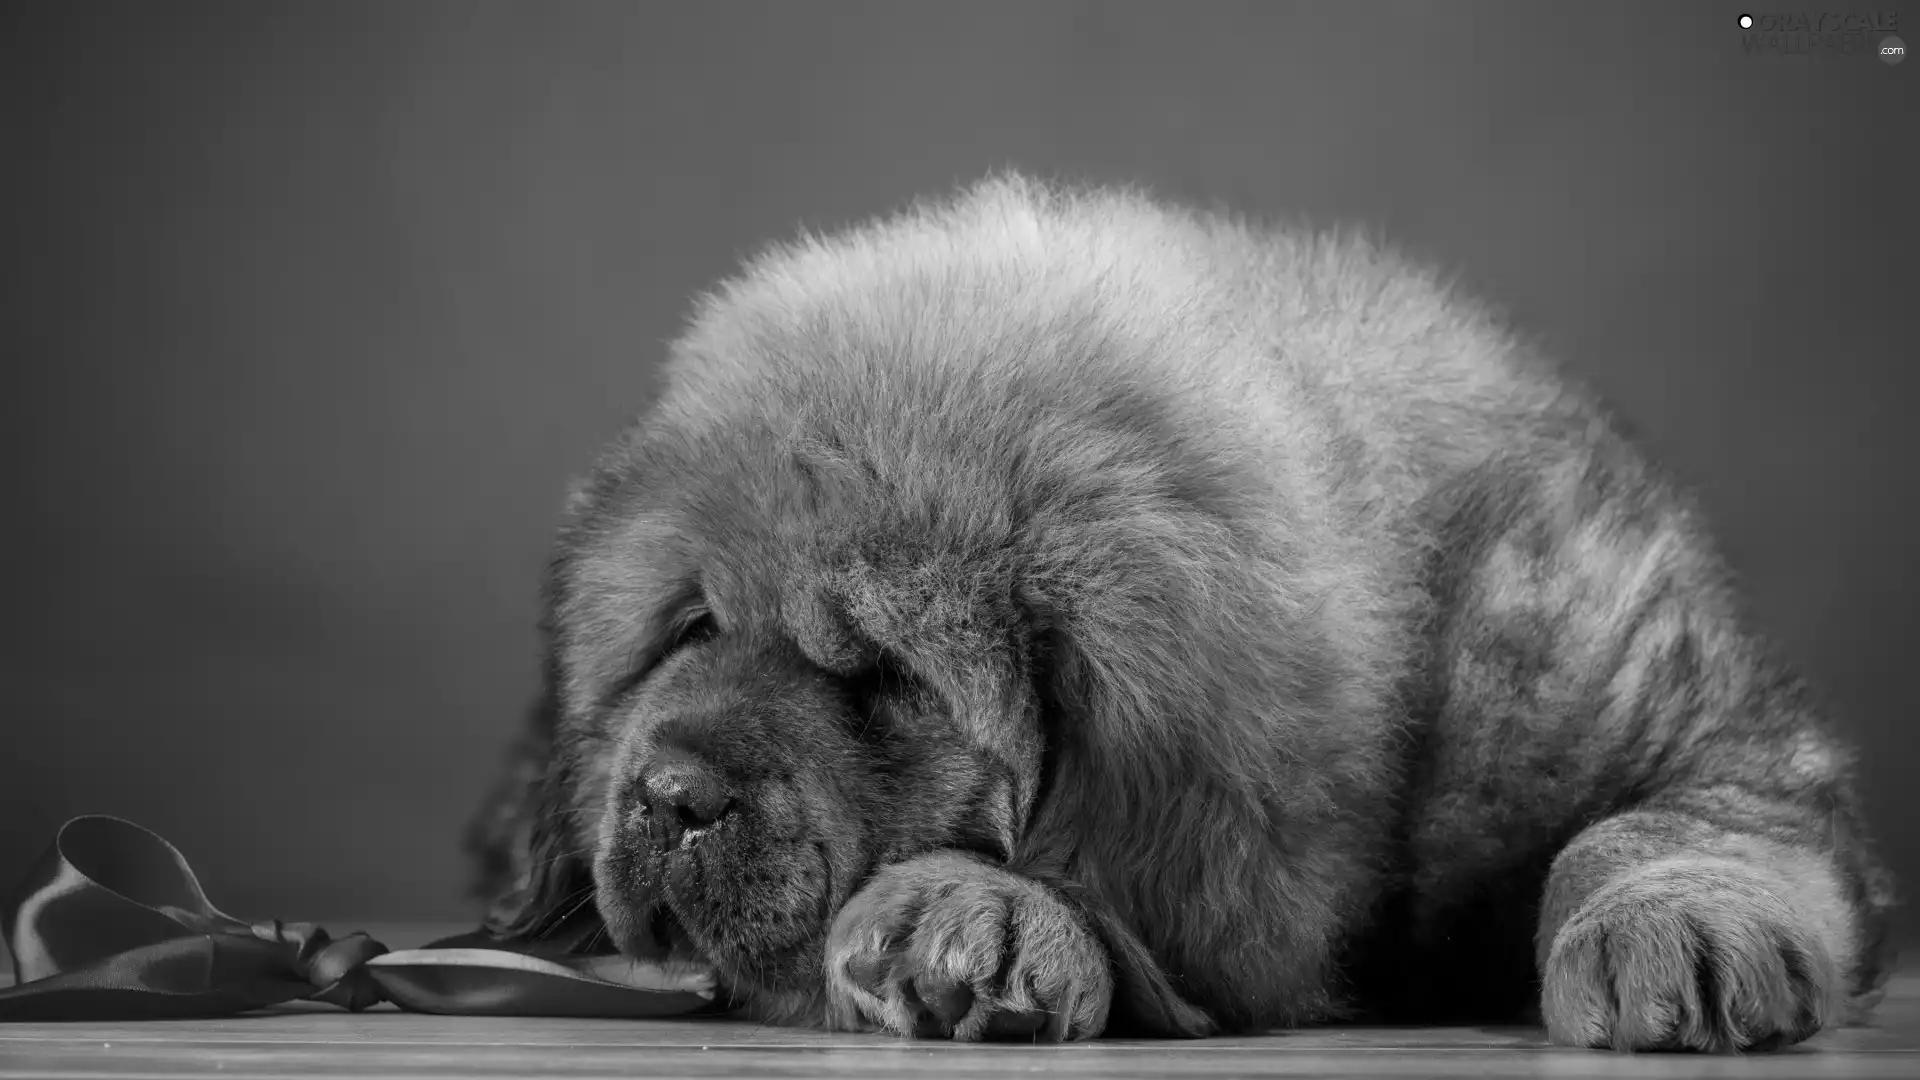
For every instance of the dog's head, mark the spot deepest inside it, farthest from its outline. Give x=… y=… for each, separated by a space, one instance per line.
x=762 y=684
x=902 y=508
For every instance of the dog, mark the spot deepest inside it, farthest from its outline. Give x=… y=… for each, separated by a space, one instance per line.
x=1049 y=612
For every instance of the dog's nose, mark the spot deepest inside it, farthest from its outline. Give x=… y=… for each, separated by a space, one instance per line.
x=681 y=798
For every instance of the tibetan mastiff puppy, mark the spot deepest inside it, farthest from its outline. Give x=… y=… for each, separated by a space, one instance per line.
x=1048 y=612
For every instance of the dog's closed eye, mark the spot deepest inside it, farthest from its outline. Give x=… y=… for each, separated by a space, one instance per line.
x=692 y=629
x=688 y=630
x=880 y=691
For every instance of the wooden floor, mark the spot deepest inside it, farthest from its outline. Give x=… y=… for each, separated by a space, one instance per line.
x=305 y=1040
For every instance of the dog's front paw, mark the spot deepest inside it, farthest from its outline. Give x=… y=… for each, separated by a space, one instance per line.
x=946 y=945
x=1686 y=956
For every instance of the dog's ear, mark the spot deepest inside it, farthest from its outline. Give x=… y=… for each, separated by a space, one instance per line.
x=527 y=872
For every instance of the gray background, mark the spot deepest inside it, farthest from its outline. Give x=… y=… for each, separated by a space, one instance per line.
x=311 y=310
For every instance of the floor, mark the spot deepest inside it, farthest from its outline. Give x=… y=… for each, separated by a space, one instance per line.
x=304 y=1040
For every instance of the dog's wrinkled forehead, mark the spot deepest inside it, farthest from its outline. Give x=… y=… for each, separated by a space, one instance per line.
x=724 y=519
x=806 y=533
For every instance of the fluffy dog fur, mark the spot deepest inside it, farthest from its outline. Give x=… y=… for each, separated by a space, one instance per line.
x=1048 y=612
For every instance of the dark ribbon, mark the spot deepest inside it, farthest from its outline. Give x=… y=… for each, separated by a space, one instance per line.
x=111 y=924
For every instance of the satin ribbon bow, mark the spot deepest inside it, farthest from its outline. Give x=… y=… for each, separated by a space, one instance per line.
x=111 y=924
